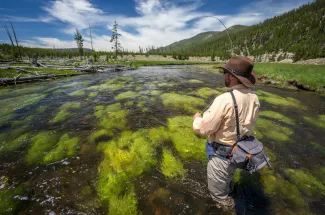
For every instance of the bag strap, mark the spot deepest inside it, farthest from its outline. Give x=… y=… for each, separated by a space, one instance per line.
x=237 y=118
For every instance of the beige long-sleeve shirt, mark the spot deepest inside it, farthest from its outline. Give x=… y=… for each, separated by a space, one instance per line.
x=219 y=121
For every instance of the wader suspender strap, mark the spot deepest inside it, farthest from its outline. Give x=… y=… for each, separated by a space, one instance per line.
x=237 y=118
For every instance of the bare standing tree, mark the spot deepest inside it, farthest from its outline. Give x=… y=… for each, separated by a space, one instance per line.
x=115 y=40
x=11 y=40
x=91 y=39
x=14 y=32
x=80 y=42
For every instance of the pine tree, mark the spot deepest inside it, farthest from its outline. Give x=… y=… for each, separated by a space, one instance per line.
x=115 y=40
x=80 y=42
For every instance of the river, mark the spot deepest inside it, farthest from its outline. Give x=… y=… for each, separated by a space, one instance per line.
x=122 y=143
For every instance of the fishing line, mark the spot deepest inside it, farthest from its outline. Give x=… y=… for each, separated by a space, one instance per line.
x=231 y=48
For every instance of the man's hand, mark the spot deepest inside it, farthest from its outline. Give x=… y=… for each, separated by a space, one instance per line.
x=197 y=115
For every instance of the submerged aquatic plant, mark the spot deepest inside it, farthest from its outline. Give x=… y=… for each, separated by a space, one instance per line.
x=271 y=130
x=277 y=116
x=171 y=167
x=319 y=123
x=126 y=95
x=207 y=92
x=277 y=100
x=124 y=158
x=182 y=102
x=276 y=186
x=9 y=105
x=65 y=112
x=187 y=144
x=195 y=81
x=93 y=95
x=125 y=204
x=9 y=146
x=42 y=143
x=99 y=134
x=78 y=93
x=66 y=147
x=306 y=183
x=9 y=204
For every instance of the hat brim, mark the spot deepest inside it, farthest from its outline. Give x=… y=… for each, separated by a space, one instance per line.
x=248 y=82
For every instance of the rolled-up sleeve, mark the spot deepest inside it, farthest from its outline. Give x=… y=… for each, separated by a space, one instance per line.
x=212 y=118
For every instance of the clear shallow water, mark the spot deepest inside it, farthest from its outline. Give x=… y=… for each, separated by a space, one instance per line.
x=107 y=144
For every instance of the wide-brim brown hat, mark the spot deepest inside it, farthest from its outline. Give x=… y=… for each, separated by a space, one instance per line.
x=242 y=68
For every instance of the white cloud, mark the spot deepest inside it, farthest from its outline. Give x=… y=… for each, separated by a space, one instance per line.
x=45 y=19
x=159 y=22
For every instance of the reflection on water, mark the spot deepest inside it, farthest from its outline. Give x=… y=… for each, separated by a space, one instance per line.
x=122 y=143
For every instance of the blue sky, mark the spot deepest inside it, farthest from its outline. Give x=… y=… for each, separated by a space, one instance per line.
x=41 y=23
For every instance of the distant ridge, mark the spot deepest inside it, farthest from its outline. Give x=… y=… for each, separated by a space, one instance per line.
x=300 y=31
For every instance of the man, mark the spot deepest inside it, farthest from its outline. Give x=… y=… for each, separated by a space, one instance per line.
x=219 y=124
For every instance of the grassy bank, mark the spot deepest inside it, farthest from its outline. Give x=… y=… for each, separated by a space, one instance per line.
x=11 y=73
x=311 y=75
x=140 y=63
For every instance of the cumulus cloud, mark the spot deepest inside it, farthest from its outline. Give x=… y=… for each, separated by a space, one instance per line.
x=157 y=23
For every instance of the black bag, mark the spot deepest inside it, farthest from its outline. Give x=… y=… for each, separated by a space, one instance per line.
x=248 y=153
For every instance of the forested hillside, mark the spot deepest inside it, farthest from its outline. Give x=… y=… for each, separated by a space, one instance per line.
x=300 y=31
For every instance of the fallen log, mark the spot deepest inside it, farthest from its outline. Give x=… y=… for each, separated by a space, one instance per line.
x=295 y=83
x=17 y=80
x=23 y=70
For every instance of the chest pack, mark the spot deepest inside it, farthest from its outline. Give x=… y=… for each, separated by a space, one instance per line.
x=247 y=153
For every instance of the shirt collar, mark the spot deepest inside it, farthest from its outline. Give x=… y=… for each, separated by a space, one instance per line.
x=239 y=86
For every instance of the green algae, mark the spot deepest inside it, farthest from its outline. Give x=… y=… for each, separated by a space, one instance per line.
x=9 y=204
x=277 y=116
x=42 y=143
x=207 y=92
x=78 y=93
x=275 y=185
x=124 y=158
x=277 y=100
x=167 y=85
x=155 y=92
x=66 y=147
x=23 y=121
x=182 y=102
x=270 y=154
x=93 y=95
x=8 y=146
x=271 y=130
x=187 y=144
x=195 y=81
x=306 y=183
x=126 y=204
x=105 y=87
x=65 y=112
x=171 y=167
x=158 y=135
x=99 y=134
x=126 y=95
x=115 y=119
x=319 y=123
x=11 y=104
x=318 y=147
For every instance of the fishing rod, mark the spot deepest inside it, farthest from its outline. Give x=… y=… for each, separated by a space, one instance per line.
x=231 y=48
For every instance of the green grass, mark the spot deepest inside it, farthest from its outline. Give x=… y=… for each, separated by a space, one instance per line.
x=8 y=73
x=311 y=75
x=53 y=71
x=11 y=73
x=158 y=63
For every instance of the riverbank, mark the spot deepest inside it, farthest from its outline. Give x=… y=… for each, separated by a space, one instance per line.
x=298 y=76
